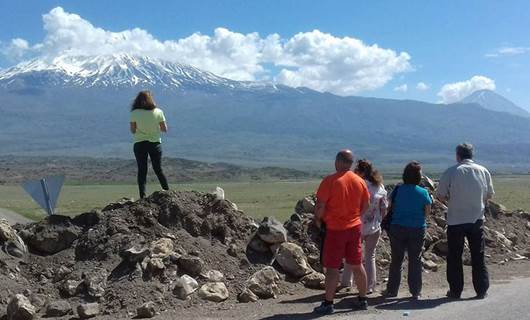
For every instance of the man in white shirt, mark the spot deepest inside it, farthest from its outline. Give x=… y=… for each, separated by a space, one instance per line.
x=466 y=188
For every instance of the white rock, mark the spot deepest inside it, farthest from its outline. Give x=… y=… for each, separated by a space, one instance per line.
x=162 y=248
x=219 y=193
x=88 y=310
x=247 y=296
x=185 y=286
x=20 y=308
x=293 y=260
x=315 y=280
x=214 y=291
x=272 y=231
x=214 y=276
x=264 y=283
x=146 y=310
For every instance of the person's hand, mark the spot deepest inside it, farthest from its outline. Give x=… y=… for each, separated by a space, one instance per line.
x=318 y=222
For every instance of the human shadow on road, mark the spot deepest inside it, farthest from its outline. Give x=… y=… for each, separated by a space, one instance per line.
x=316 y=298
x=302 y=316
x=410 y=304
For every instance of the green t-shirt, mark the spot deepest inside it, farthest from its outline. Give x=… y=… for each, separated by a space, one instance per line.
x=147 y=124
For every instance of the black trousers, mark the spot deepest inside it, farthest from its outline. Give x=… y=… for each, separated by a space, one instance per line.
x=474 y=232
x=142 y=150
x=410 y=240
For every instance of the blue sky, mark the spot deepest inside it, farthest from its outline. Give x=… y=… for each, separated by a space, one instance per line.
x=465 y=45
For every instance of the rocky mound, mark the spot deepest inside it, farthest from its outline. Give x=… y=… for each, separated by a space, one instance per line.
x=182 y=249
x=172 y=249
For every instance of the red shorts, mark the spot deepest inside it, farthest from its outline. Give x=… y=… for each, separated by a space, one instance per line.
x=343 y=244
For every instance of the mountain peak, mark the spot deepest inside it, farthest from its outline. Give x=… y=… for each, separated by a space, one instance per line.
x=115 y=70
x=491 y=100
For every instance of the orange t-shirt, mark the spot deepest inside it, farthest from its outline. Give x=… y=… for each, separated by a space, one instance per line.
x=344 y=194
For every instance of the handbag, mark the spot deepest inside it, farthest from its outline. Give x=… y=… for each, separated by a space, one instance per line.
x=387 y=220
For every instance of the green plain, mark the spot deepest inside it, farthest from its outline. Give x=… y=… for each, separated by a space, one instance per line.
x=258 y=199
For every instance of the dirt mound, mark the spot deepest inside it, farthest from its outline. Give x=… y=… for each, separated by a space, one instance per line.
x=189 y=250
x=131 y=253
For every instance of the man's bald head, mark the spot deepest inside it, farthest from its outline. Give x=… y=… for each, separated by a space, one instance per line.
x=344 y=160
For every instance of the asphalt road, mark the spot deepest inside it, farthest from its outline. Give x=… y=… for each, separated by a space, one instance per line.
x=12 y=217
x=506 y=301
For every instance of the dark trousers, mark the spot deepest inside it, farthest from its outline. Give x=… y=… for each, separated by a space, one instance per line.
x=474 y=232
x=410 y=240
x=142 y=150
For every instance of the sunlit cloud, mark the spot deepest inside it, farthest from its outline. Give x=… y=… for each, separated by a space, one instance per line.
x=318 y=60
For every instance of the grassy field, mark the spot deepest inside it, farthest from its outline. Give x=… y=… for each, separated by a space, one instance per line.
x=257 y=199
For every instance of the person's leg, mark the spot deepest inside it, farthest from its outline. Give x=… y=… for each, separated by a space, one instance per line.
x=455 y=271
x=140 y=153
x=155 y=153
x=354 y=257
x=370 y=244
x=347 y=274
x=334 y=252
x=475 y=237
x=332 y=279
x=416 y=238
x=397 y=250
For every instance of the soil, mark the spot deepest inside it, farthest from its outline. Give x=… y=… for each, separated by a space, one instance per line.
x=90 y=249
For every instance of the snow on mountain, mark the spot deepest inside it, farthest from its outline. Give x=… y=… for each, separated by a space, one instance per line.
x=494 y=101
x=117 y=70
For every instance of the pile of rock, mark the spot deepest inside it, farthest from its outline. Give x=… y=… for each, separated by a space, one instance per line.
x=179 y=249
x=152 y=253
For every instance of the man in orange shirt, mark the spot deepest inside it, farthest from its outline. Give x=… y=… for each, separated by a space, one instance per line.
x=341 y=198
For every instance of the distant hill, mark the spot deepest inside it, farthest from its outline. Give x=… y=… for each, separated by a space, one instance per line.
x=494 y=101
x=15 y=169
x=79 y=106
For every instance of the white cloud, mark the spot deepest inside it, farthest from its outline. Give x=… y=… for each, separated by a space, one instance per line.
x=341 y=65
x=402 y=88
x=422 y=86
x=313 y=59
x=507 y=51
x=454 y=92
x=16 y=49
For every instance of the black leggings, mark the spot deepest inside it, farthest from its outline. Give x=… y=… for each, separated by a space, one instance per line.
x=143 y=149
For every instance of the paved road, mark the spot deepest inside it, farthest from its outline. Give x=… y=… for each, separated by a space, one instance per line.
x=506 y=301
x=12 y=217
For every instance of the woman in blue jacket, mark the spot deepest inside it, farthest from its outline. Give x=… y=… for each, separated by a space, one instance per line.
x=410 y=205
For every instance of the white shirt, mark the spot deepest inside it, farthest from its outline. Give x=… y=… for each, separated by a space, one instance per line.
x=468 y=186
x=372 y=217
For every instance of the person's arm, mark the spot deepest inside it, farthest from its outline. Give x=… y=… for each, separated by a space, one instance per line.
x=391 y=199
x=427 y=210
x=320 y=209
x=383 y=206
x=490 y=192
x=442 y=192
x=162 y=120
x=323 y=194
x=365 y=204
x=163 y=126
x=132 y=127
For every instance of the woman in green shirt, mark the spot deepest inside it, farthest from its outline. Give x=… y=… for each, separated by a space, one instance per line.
x=147 y=122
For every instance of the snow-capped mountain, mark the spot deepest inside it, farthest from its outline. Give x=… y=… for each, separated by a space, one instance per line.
x=117 y=70
x=79 y=105
x=493 y=101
